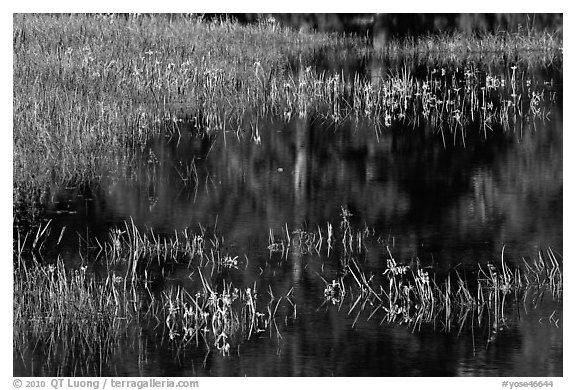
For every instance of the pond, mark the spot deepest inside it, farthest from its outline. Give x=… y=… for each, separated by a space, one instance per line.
x=261 y=196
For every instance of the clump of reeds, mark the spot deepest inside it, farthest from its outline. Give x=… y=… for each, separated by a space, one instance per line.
x=27 y=241
x=351 y=240
x=142 y=251
x=415 y=296
x=65 y=311
x=131 y=244
x=68 y=315
x=215 y=317
x=299 y=240
x=451 y=101
x=546 y=271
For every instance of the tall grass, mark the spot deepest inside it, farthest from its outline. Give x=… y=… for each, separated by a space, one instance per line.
x=520 y=43
x=87 y=87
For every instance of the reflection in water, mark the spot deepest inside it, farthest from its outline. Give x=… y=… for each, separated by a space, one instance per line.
x=300 y=213
x=327 y=342
x=456 y=204
x=442 y=203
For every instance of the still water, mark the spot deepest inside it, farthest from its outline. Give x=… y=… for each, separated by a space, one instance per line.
x=443 y=204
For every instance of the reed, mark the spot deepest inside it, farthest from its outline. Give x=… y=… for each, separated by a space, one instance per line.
x=306 y=242
x=216 y=318
x=143 y=252
x=412 y=295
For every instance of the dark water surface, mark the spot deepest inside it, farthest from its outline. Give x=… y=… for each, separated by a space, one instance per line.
x=441 y=203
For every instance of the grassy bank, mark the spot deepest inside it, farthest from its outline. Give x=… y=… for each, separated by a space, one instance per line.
x=88 y=89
